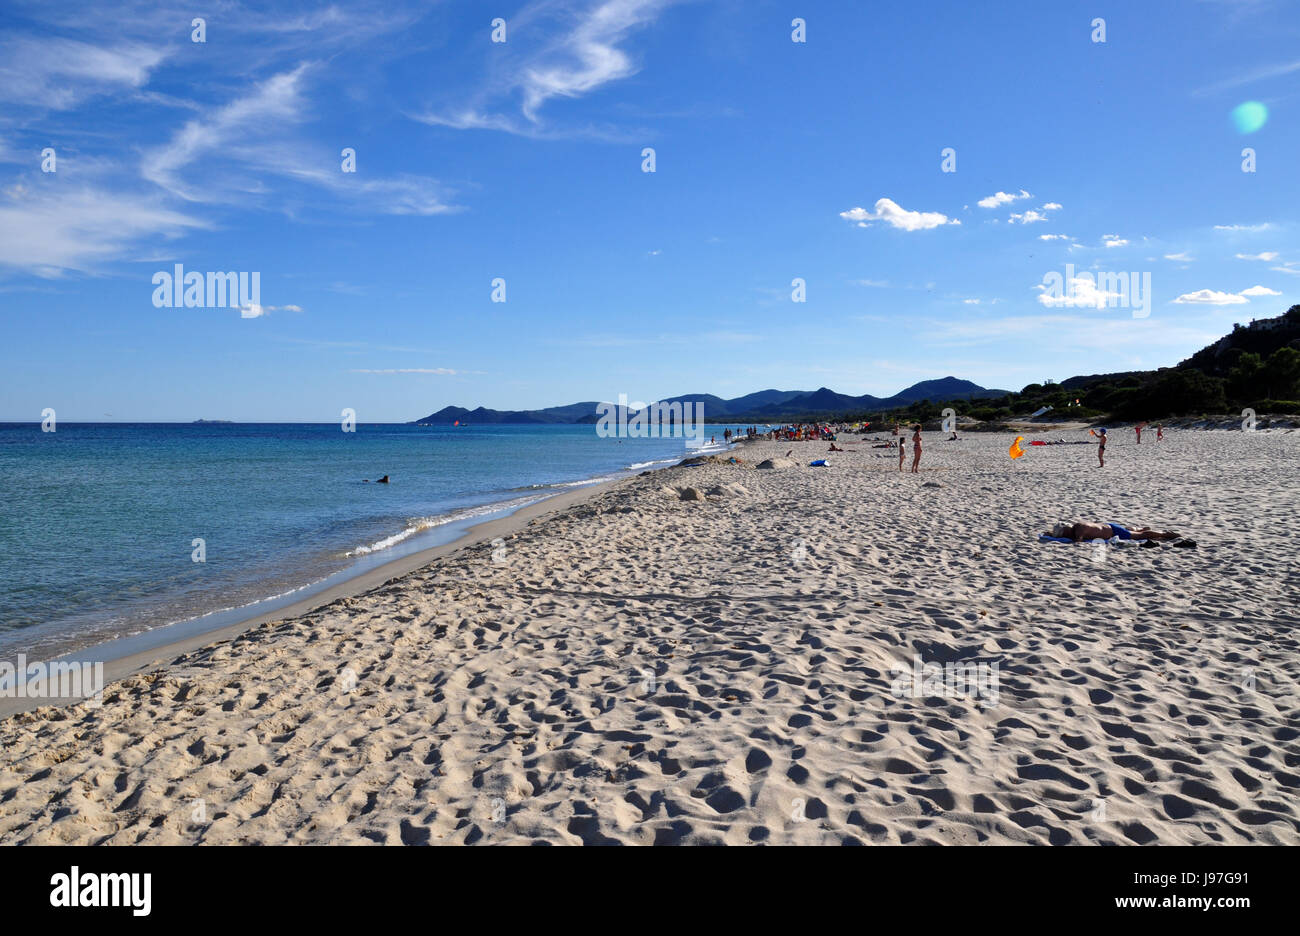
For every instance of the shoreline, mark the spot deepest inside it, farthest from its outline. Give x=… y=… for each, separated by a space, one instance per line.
x=364 y=562
x=120 y=659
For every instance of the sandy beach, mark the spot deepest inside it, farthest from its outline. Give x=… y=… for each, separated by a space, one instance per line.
x=641 y=668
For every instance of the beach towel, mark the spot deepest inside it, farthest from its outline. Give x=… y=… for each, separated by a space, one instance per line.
x=819 y=463
x=1113 y=541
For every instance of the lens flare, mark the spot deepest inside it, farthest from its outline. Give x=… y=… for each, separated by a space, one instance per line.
x=1249 y=117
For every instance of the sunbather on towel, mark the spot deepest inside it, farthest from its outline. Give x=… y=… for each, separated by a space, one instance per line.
x=1090 y=531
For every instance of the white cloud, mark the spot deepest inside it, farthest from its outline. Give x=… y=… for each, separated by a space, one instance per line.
x=1260 y=291
x=1183 y=257
x=59 y=74
x=1211 y=297
x=1002 y=198
x=1266 y=255
x=1258 y=74
x=879 y=284
x=1082 y=293
x=253 y=310
x=1052 y=237
x=894 y=215
x=1286 y=269
x=589 y=56
x=56 y=229
x=577 y=62
x=971 y=301
x=273 y=103
x=1029 y=217
x=1052 y=206
x=1244 y=228
x=1113 y=240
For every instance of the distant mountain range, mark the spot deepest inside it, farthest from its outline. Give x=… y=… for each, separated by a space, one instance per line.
x=762 y=406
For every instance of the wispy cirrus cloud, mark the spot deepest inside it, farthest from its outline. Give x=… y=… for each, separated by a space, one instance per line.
x=271 y=104
x=54 y=229
x=584 y=55
x=214 y=149
x=1244 y=228
x=1262 y=73
x=59 y=73
x=92 y=82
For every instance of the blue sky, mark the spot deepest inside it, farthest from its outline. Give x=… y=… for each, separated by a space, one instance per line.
x=523 y=160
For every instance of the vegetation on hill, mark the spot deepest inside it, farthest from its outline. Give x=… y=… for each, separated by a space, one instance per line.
x=1256 y=366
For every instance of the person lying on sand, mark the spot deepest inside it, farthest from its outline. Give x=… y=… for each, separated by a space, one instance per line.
x=834 y=448
x=1089 y=531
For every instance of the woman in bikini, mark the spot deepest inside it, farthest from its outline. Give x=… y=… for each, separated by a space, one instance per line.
x=916 y=449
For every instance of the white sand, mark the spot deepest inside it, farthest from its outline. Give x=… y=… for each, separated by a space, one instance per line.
x=1144 y=694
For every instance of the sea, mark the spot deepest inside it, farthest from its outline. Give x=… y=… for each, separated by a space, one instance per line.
x=112 y=530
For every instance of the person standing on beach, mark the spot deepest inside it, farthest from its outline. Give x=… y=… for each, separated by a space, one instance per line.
x=1160 y=433
x=901 y=450
x=1101 y=448
x=916 y=449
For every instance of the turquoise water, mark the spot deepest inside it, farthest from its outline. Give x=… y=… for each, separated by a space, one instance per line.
x=98 y=521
